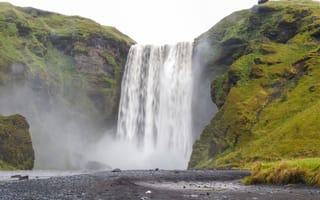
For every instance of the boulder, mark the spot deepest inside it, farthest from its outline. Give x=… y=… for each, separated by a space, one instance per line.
x=262 y=1
x=16 y=151
x=116 y=170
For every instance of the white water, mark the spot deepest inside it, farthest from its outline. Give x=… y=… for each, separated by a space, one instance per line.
x=155 y=112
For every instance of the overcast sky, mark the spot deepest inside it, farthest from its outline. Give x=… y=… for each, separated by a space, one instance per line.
x=147 y=21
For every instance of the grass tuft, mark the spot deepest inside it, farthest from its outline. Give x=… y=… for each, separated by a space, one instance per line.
x=298 y=171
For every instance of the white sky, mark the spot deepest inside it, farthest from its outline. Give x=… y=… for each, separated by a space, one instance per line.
x=147 y=21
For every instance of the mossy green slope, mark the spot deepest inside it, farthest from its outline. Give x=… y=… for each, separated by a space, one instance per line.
x=16 y=150
x=268 y=90
x=57 y=55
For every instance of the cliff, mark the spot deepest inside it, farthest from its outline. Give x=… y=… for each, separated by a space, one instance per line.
x=16 y=150
x=267 y=88
x=65 y=59
x=63 y=73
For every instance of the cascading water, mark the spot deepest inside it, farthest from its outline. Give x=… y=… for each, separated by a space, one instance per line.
x=155 y=112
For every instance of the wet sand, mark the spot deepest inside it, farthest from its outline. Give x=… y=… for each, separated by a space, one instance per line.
x=151 y=184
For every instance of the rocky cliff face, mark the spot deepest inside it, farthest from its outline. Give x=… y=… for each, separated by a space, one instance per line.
x=62 y=73
x=71 y=59
x=268 y=88
x=16 y=150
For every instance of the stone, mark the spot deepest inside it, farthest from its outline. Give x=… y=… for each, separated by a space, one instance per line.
x=15 y=142
x=262 y=1
x=21 y=178
x=116 y=170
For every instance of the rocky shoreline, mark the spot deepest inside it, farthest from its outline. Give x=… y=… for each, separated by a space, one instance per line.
x=151 y=184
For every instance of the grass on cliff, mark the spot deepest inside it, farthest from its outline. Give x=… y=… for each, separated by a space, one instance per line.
x=271 y=110
x=6 y=166
x=297 y=171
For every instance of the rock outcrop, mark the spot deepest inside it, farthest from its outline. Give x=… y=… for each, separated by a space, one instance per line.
x=268 y=88
x=16 y=151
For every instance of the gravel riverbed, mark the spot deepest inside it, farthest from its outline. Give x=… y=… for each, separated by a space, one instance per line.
x=150 y=184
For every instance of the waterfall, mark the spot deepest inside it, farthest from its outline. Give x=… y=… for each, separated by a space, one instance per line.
x=155 y=111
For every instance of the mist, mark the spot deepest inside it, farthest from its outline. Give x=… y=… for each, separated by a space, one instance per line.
x=203 y=108
x=65 y=135
x=120 y=153
x=60 y=133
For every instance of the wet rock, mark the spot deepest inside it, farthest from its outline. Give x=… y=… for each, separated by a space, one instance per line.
x=116 y=170
x=16 y=176
x=15 y=142
x=21 y=178
x=262 y=1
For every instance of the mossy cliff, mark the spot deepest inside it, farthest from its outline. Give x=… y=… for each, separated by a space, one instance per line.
x=73 y=60
x=63 y=73
x=16 y=150
x=268 y=90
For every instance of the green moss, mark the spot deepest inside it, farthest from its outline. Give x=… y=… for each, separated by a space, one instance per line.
x=67 y=57
x=269 y=95
x=6 y=166
x=16 y=150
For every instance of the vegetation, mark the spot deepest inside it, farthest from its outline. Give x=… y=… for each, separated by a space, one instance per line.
x=268 y=91
x=298 y=171
x=16 y=150
x=53 y=63
x=64 y=57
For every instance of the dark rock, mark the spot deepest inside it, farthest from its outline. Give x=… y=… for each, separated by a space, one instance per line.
x=16 y=176
x=116 y=170
x=312 y=88
x=256 y=72
x=316 y=35
x=257 y=61
x=262 y=1
x=21 y=178
x=281 y=34
x=234 y=76
x=23 y=29
x=15 y=142
x=63 y=43
x=35 y=12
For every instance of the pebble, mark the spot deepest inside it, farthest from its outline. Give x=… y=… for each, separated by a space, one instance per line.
x=98 y=186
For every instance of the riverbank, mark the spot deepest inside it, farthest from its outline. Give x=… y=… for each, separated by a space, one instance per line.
x=151 y=184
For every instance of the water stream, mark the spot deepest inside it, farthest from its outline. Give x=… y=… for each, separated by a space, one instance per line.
x=155 y=111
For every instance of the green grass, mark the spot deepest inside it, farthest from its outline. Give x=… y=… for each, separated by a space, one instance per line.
x=69 y=56
x=269 y=96
x=298 y=171
x=16 y=151
x=6 y=166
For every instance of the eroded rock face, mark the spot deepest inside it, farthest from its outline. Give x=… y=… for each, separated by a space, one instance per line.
x=15 y=143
